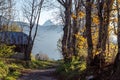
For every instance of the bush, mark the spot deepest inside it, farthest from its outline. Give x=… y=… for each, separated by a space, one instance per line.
x=6 y=51
x=3 y=70
x=14 y=72
x=10 y=72
x=13 y=67
x=71 y=70
x=10 y=78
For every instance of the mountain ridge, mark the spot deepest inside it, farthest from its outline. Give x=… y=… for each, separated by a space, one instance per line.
x=46 y=39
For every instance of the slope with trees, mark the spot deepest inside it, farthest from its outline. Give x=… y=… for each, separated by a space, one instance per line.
x=86 y=47
x=99 y=26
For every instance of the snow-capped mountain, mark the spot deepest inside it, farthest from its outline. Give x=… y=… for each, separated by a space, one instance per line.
x=50 y=26
x=46 y=39
x=48 y=23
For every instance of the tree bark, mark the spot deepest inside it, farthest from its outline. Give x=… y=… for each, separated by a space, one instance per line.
x=33 y=17
x=76 y=27
x=104 y=16
x=116 y=67
x=88 y=32
x=66 y=40
x=117 y=59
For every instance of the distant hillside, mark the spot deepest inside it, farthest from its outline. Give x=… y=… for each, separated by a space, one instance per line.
x=47 y=37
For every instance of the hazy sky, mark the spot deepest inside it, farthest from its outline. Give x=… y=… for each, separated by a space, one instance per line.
x=45 y=14
x=48 y=43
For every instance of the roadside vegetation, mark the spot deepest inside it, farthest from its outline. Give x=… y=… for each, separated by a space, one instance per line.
x=86 y=46
x=11 y=69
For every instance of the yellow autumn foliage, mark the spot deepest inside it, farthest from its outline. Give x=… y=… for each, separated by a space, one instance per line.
x=74 y=16
x=76 y=35
x=95 y=20
x=81 y=41
x=80 y=47
x=118 y=1
x=111 y=51
x=97 y=52
x=81 y=14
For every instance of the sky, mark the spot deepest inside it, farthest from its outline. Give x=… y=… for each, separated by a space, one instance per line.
x=45 y=14
x=50 y=37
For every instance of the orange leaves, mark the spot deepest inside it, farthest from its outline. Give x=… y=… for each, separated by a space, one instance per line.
x=74 y=16
x=97 y=52
x=81 y=41
x=81 y=14
x=80 y=37
x=95 y=20
x=80 y=47
x=118 y=1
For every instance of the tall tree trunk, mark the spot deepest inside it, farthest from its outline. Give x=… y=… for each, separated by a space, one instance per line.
x=116 y=67
x=117 y=59
x=28 y=47
x=33 y=17
x=67 y=31
x=88 y=32
x=74 y=39
x=76 y=27
x=104 y=8
x=100 y=9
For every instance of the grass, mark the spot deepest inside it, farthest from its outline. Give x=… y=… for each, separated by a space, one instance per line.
x=71 y=70
x=9 y=71
x=39 y=64
x=15 y=67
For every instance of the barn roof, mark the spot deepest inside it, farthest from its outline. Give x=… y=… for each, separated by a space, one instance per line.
x=16 y=38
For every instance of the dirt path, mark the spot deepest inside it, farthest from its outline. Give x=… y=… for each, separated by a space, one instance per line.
x=38 y=75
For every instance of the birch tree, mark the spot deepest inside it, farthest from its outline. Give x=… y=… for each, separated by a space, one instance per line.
x=31 y=11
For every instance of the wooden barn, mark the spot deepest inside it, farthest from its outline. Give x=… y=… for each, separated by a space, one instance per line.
x=19 y=39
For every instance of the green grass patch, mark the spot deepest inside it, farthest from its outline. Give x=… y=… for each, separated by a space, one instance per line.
x=39 y=64
x=10 y=69
x=71 y=70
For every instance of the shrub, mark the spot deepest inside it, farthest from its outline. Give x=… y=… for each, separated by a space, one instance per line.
x=70 y=70
x=14 y=72
x=13 y=67
x=3 y=70
x=6 y=51
x=10 y=78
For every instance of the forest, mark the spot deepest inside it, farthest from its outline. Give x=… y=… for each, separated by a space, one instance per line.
x=90 y=43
